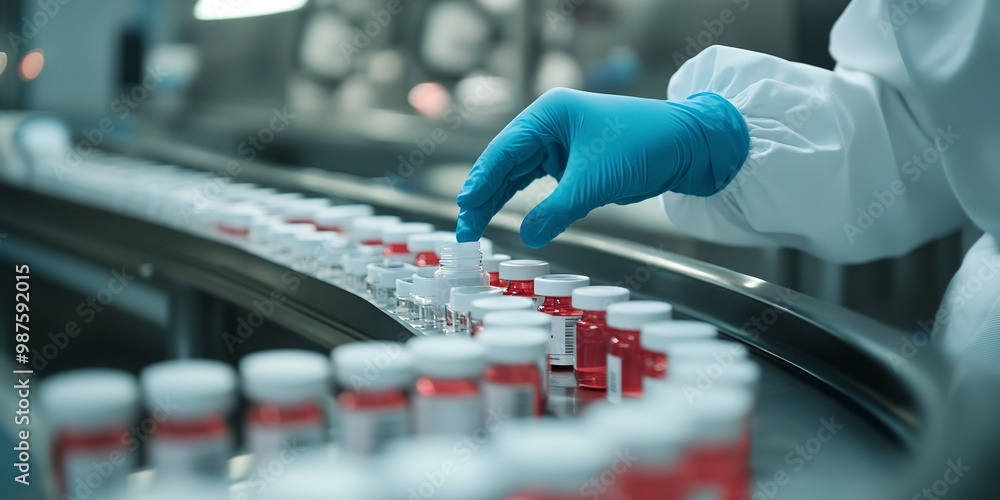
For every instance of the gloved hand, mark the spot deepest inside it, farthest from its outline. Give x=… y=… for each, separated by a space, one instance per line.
x=602 y=149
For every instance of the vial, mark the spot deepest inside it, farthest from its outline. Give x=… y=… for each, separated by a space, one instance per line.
x=329 y=258
x=513 y=384
x=428 y=467
x=655 y=438
x=234 y=222
x=395 y=240
x=457 y=314
x=355 y=265
x=482 y=307
x=593 y=334
x=308 y=249
x=461 y=265
x=553 y=460
x=624 y=351
x=657 y=336
x=404 y=304
x=373 y=378
x=422 y=302
x=322 y=476
x=302 y=211
x=338 y=219
x=381 y=281
x=286 y=389
x=91 y=411
x=272 y=204
x=283 y=240
x=521 y=319
x=259 y=232
x=520 y=277
x=424 y=247
x=557 y=293
x=194 y=440
x=446 y=398
x=491 y=263
x=367 y=231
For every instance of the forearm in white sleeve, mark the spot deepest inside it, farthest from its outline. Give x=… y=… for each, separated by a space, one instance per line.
x=838 y=166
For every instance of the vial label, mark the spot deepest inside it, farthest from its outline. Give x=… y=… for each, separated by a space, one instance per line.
x=562 y=340
x=517 y=401
x=367 y=432
x=443 y=415
x=267 y=442
x=614 y=379
x=77 y=466
x=200 y=457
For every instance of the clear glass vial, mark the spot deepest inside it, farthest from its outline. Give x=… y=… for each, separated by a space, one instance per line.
x=458 y=313
x=461 y=265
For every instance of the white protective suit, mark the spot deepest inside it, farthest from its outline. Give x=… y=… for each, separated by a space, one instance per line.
x=897 y=146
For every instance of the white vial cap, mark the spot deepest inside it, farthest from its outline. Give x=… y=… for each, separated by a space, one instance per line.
x=275 y=200
x=654 y=436
x=390 y=272
x=741 y=374
x=310 y=243
x=317 y=476
x=632 y=315
x=409 y=463
x=422 y=287
x=356 y=264
x=517 y=318
x=286 y=232
x=510 y=345
x=523 y=270
x=239 y=215
x=491 y=263
x=427 y=271
x=424 y=242
x=303 y=209
x=372 y=366
x=404 y=286
x=332 y=251
x=370 y=228
x=400 y=233
x=559 y=285
x=707 y=350
x=598 y=298
x=90 y=398
x=480 y=307
x=448 y=357
x=463 y=296
x=341 y=215
x=551 y=456
x=716 y=415
x=285 y=376
x=199 y=387
x=658 y=335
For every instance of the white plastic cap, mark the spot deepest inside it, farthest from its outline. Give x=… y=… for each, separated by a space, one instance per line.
x=341 y=215
x=598 y=298
x=198 y=387
x=275 y=200
x=239 y=215
x=370 y=228
x=283 y=236
x=427 y=271
x=261 y=226
x=707 y=350
x=523 y=270
x=404 y=286
x=491 y=263
x=654 y=436
x=529 y=319
x=716 y=415
x=409 y=463
x=304 y=209
x=658 y=335
x=372 y=366
x=463 y=296
x=448 y=357
x=356 y=264
x=632 y=315
x=284 y=376
x=389 y=273
x=89 y=399
x=318 y=476
x=422 y=287
x=552 y=456
x=312 y=243
x=510 y=345
x=702 y=375
x=559 y=285
x=400 y=233
x=332 y=251
x=427 y=242
x=480 y=307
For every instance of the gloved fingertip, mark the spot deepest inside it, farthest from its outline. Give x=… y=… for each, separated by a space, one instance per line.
x=534 y=232
x=470 y=226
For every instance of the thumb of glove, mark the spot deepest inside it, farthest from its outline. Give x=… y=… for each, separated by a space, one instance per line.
x=568 y=203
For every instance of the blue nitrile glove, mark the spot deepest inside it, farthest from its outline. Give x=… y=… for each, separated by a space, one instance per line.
x=602 y=149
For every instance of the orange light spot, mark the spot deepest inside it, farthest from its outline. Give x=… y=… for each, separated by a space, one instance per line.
x=31 y=65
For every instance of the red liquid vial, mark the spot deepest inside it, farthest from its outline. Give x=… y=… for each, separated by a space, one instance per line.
x=375 y=408
x=513 y=383
x=715 y=463
x=557 y=293
x=482 y=307
x=424 y=247
x=90 y=411
x=520 y=277
x=368 y=230
x=624 y=351
x=447 y=398
x=659 y=336
x=395 y=239
x=286 y=388
x=195 y=440
x=593 y=334
x=491 y=264
x=338 y=218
